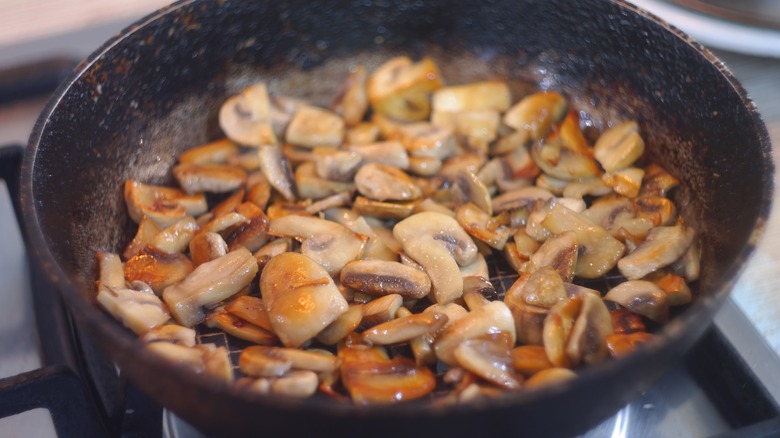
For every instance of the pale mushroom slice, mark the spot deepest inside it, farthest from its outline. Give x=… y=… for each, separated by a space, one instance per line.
x=474 y=130
x=508 y=172
x=163 y=205
x=476 y=222
x=490 y=358
x=490 y=95
x=382 y=210
x=380 y=277
x=586 y=186
x=565 y=154
x=277 y=170
x=175 y=238
x=351 y=101
x=587 y=341
x=390 y=153
x=642 y=297
x=327 y=243
x=272 y=249
x=172 y=333
x=208 y=284
x=362 y=133
x=543 y=288
x=215 y=152
x=312 y=186
x=336 y=164
x=439 y=244
x=626 y=182
x=381 y=182
x=311 y=360
x=608 y=212
x=598 y=251
x=300 y=297
x=491 y=318
x=663 y=246
x=401 y=89
x=157 y=269
x=239 y=328
x=619 y=147
x=213 y=178
x=425 y=140
x=557 y=327
x=528 y=319
x=312 y=127
x=377 y=247
x=522 y=197
x=424 y=166
x=246 y=117
x=558 y=252
x=404 y=328
x=250 y=309
x=205 y=358
x=138 y=310
x=536 y=113
x=473 y=190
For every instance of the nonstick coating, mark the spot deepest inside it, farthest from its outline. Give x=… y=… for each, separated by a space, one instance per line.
x=155 y=89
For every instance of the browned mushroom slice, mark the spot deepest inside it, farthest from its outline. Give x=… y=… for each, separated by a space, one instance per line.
x=215 y=152
x=345 y=324
x=248 y=160
x=619 y=147
x=381 y=310
x=426 y=140
x=239 y=328
x=478 y=291
x=543 y=288
x=490 y=358
x=327 y=243
x=362 y=133
x=207 y=246
x=512 y=171
x=520 y=198
x=475 y=221
x=491 y=318
x=565 y=153
x=625 y=182
x=342 y=199
x=300 y=297
x=172 y=333
x=536 y=113
x=554 y=185
x=140 y=311
x=550 y=376
x=390 y=153
x=401 y=89
x=586 y=343
x=312 y=127
x=662 y=247
x=311 y=360
x=276 y=169
x=372 y=378
x=620 y=345
x=259 y=192
x=526 y=245
x=163 y=205
x=559 y=253
x=214 y=178
x=598 y=251
x=251 y=235
x=587 y=186
x=381 y=182
x=494 y=95
x=157 y=269
x=607 y=212
x=439 y=244
x=658 y=209
x=336 y=164
x=677 y=291
x=529 y=320
x=209 y=284
x=221 y=223
x=147 y=229
x=404 y=328
x=530 y=359
x=311 y=186
x=515 y=259
x=642 y=297
x=246 y=118
x=624 y=321
x=658 y=181
x=250 y=309
x=557 y=327
x=258 y=361
x=351 y=101
x=474 y=190
x=379 y=277
x=175 y=238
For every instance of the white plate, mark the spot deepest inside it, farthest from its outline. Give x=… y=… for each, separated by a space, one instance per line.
x=716 y=32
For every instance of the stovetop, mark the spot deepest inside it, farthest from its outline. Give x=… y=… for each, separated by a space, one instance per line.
x=726 y=385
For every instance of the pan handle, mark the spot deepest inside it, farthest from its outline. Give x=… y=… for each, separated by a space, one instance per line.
x=11 y=171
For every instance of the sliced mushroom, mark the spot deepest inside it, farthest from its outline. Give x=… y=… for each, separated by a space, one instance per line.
x=586 y=186
x=564 y=153
x=559 y=253
x=477 y=268
x=475 y=221
x=311 y=186
x=642 y=297
x=224 y=222
x=209 y=284
x=172 y=333
x=619 y=147
x=271 y=249
x=318 y=361
x=478 y=291
x=300 y=297
x=550 y=376
x=157 y=269
x=259 y=192
x=529 y=320
x=520 y=198
x=493 y=95
x=377 y=247
x=390 y=153
x=401 y=89
x=342 y=199
x=557 y=327
x=163 y=205
x=251 y=235
x=213 y=178
x=625 y=182
x=329 y=244
x=137 y=310
x=689 y=265
x=474 y=129
x=276 y=169
x=239 y=328
x=312 y=127
x=381 y=182
x=261 y=361
x=536 y=113
x=207 y=246
x=658 y=209
x=425 y=140
x=587 y=341
x=345 y=324
x=657 y=181
x=621 y=344
x=424 y=166
x=474 y=190
x=215 y=152
x=381 y=310
x=439 y=244
x=298 y=384
x=250 y=309
x=379 y=277
x=491 y=318
x=624 y=321
x=351 y=101
x=530 y=359
x=662 y=247
x=677 y=291
x=490 y=358
x=362 y=133
x=543 y=288
x=404 y=329
x=609 y=211
x=246 y=118
x=336 y=164
x=598 y=251
x=371 y=377
x=147 y=230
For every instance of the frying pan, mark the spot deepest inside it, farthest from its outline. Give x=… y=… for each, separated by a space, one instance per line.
x=155 y=90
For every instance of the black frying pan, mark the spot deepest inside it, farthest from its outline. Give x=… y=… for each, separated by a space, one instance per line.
x=154 y=91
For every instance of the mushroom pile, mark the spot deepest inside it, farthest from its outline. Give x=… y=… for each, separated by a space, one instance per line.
x=346 y=254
